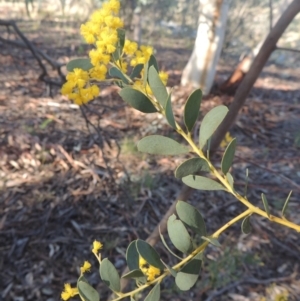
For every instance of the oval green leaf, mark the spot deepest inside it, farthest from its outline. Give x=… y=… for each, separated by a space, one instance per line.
x=169 y=113
x=192 y=108
x=228 y=156
x=132 y=256
x=149 y=254
x=110 y=275
x=133 y=274
x=230 y=179
x=136 y=71
x=153 y=62
x=286 y=203
x=154 y=294
x=167 y=247
x=191 y=217
x=246 y=226
x=202 y=183
x=115 y=72
x=120 y=44
x=214 y=241
x=189 y=274
x=210 y=123
x=160 y=145
x=191 y=167
x=179 y=235
x=266 y=205
x=84 y=64
x=157 y=86
x=87 y=292
x=137 y=100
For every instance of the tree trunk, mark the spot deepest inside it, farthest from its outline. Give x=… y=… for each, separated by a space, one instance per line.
x=230 y=85
x=201 y=67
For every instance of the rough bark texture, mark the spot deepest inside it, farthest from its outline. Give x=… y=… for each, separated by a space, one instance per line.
x=201 y=67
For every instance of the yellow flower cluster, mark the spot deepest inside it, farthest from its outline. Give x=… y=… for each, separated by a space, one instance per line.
x=85 y=267
x=97 y=246
x=69 y=292
x=150 y=271
x=102 y=31
x=226 y=140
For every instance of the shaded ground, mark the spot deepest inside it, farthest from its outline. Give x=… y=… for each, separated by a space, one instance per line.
x=62 y=186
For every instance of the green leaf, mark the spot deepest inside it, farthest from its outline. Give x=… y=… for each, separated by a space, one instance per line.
x=266 y=205
x=153 y=62
x=167 y=247
x=115 y=72
x=191 y=217
x=202 y=183
x=192 y=108
x=120 y=44
x=210 y=123
x=157 y=86
x=214 y=241
x=230 y=179
x=87 y=292
x=160 y=145
x=132 y=256
x=179 y=235
x=110 y=275
x=191 y=167
x=133 y=274
x=228 y=156
x=149 y=254
x=84 y=64
x=136 y=71
x=154 y=294
x=189 y=274
x=286 y=203
x=246 y=226
x=137 y=100
x=169 y=113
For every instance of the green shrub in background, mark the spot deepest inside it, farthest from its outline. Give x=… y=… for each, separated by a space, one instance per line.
x=144 y=89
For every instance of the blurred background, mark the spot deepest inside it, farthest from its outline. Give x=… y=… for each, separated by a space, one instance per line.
x=65 y=182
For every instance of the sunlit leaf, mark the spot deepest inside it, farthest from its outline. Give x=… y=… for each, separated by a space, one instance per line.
x=137 y=100
x=192 y=108
x=191 y=217
x=266 y=205
x=214 y=241
x=246 y=226
x=160 y=145
x=166 y=246
x=230 y=179
x=154 y=294
x=87 y=292
x=110 y=275
x=179 y=235
x=157 y=86
x=149 y=254
x=191 y=167
x=189 y=274
x=228 y=156
x=132 y=256
x=286 y=203
x=133 y=274
x=84 y=64
x=169 y=113
x=202 y=183
x=210 y=123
